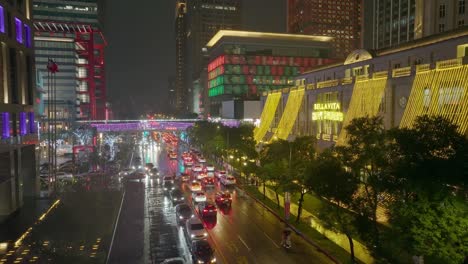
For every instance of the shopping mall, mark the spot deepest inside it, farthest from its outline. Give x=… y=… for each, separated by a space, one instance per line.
x=425 y=76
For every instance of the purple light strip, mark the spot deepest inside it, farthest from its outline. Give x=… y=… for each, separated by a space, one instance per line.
x=27 y=36
x=19 y=30
x=5 y=125
x=2 y=20
x=22 y=123
x=32 y=125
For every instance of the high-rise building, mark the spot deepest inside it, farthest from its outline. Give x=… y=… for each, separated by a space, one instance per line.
x=69 y=32
x=181 y=89
x=338 y=19
x=17 y=95
x=389 y=23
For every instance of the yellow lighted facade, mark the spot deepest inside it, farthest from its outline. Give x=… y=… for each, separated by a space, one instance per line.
x=267 y=116
x=365 y=101
x=442 y=91
x=289 y=116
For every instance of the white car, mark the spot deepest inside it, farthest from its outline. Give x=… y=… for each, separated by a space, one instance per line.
x=219 y=174
x=227 y=180
x=195 y=230
x=210 y=167
x=210 y=174
x=201 y=159
x=64 y=176
x=195 y=186
x=197 y=168
x=199 y=197
x=125 y=172
x=201 y=176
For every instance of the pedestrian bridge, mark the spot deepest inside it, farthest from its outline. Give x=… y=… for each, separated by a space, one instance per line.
x=151 y=124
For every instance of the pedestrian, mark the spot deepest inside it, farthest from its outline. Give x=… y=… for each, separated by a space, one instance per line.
x=286 y=237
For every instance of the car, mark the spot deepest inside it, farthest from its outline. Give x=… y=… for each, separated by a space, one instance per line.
x=153 y=172
x=135 y=175
x=64 y=176
x=201 y=176
x=201 y=159
x=125 y=172
x=199 y=197
x=172 y=155
x=168 y=183
x=188 y=162
x=223 y=198
x=228 y=180
x=149 y=166
x=177 y=196
x=210 y=174
x=184 y=177
x=195 y=186
x=197 y=168
x=220 y=173
x=207 y=181
x=202 y=252
x=177 y=260
x=195 y=230
x=206 y=209
x=210 y=167
x=183 y=213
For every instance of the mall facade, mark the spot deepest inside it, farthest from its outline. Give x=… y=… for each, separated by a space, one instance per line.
x=425 y=76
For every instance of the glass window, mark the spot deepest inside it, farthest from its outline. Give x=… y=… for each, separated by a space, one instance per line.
x=441 y=27
x=461 y=7
x=442 y=10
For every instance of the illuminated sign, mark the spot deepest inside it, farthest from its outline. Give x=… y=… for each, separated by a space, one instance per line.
x=328 y=106
x=327 y=115
x=328 y=111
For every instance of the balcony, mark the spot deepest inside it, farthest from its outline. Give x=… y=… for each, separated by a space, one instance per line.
x=449 y=63
x=326 y=84
x=401 y=72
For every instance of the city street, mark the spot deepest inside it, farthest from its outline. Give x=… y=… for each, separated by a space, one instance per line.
x=247 y=233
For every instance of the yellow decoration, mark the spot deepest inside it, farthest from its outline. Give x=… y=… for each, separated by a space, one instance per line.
x=267 y=116
x=365 y=100
x=290 y=113
x=327 y=106
x=440 y=92
x=327 y=115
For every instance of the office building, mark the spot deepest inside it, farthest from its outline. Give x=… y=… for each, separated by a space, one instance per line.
x=245 y=64
x=69 y=32
x=17 y=94
x=181 y=88
x=428 y=76
x=389 y=23
x=341 y=20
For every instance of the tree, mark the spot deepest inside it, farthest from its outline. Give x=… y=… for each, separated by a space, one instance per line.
x=276 y=176
x=366 y=154
x=329 y=179
x=302 y=153
x=429 y=205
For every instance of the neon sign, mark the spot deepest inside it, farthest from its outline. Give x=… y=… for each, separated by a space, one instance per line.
x=327 y=106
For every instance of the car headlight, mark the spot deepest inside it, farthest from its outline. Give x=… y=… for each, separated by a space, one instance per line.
x=200 y=261
x=192 y=235
x=173 y=188
x=205 y=234
x=213 y=260
x=182 y=198
x=165 y=188
x=175 y=199
x=125 y=173
x=151 y=174
x=181 y=217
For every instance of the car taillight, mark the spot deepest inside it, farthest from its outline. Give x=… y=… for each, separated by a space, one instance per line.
x=222 y=199
x=204 y=210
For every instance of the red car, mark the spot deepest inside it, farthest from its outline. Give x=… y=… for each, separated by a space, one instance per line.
x=206 y=209
x=208 y=181
x=223 y=198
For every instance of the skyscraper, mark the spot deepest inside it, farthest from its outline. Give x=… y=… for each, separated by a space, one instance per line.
x=338 y=19
x=69 y=32
x=181 y=90
x=389 y=23
x=17 y=94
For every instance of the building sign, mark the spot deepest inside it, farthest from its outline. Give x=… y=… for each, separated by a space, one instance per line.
x=328 y=111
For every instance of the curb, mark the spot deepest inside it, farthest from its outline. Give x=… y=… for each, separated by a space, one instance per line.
x=299 y=233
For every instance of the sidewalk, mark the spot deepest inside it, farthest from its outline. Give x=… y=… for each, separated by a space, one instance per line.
x=13 y=226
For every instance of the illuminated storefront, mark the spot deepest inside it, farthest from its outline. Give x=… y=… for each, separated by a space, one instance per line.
x=396 y=84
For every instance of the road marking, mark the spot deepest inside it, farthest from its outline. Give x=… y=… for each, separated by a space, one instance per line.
x=243 y=242
x=276 y=245
x=115 y=228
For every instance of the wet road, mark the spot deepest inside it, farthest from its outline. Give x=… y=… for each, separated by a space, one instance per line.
x=247 y=233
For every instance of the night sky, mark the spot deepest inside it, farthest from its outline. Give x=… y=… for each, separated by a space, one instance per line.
x=141 y=54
